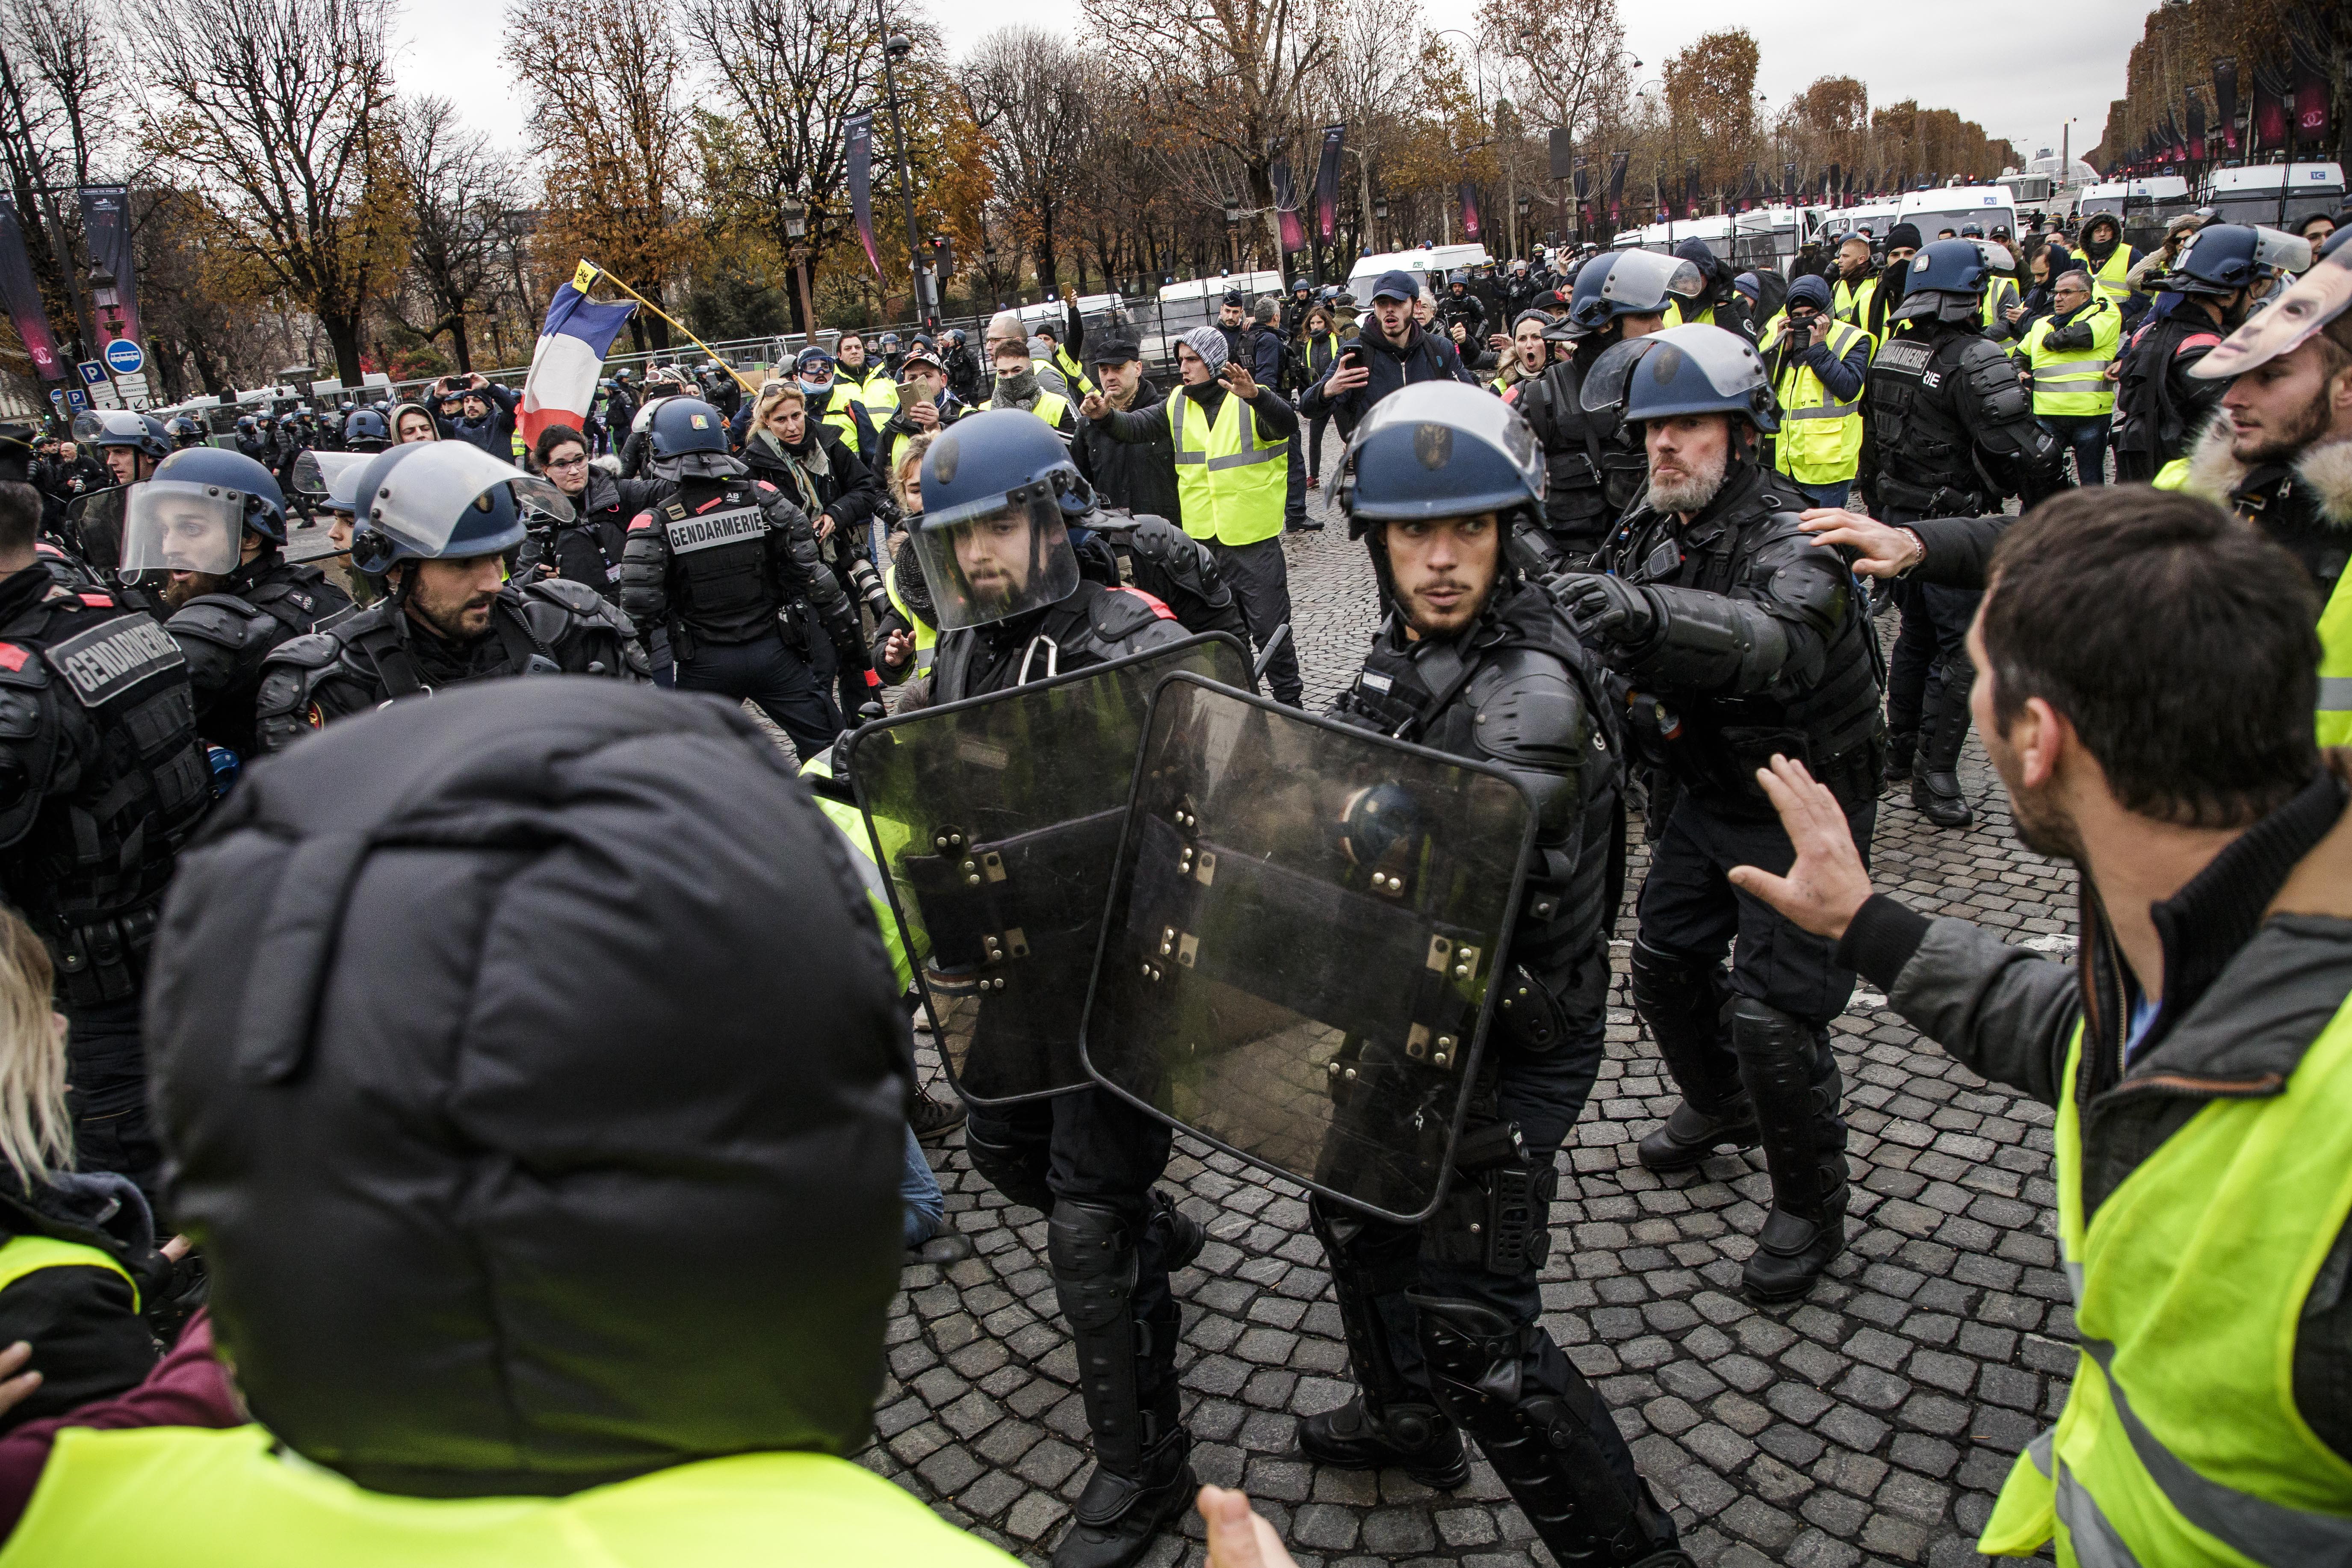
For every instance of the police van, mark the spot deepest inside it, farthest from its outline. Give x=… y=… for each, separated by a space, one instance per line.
x=1429 y=264
x=2277 y=195
x=1194 y=303
x=1955 y=207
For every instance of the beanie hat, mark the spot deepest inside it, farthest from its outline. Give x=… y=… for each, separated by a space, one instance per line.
x=1903 y=237
x=1210 y=344
x=1810 y=290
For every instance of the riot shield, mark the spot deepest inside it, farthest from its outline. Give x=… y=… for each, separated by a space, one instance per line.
x=997 y=820
x=1304 y=924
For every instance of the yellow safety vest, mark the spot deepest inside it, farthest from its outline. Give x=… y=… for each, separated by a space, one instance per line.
x=839 y=412
x=2073 y=381
x=877 y=392
x=927 y=635
x=198 y=1499
x=1231 y=483
x=23 y=1253
x=2334 y=718
x=2181 y=1446
x=850 y=823
x=2110 y=277
x=1849 y=301
x=1072 y=372
x=1999 y=292
x=1820 y=441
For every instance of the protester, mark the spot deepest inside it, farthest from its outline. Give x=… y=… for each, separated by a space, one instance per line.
x=486 y=414
x=1392 y=350
x=588 y=548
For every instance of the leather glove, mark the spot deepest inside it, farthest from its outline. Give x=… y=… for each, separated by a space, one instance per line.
x=1607 y=608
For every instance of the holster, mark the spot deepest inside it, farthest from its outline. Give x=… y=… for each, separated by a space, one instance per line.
x=103 y=961
x=1498 y=1213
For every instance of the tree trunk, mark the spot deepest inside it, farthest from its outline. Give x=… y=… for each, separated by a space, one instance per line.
x=342 y=330
x=457 y=341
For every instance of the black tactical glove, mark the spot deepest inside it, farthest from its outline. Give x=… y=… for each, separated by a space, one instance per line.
x=1607 y=608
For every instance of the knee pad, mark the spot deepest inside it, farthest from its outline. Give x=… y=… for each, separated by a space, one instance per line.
x=1016 y=1170
x=1091 y=1247
x=1671 y=985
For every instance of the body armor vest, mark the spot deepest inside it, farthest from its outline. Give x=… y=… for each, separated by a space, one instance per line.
x=1590 y=474
x=1915 y=422
x=722 y=577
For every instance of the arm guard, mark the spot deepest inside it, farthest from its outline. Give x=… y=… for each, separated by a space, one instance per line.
x=645 y=574
x=588 y=634
x=33 y=748
x=1999 y=413
x=1711 y=643
x=292 y=703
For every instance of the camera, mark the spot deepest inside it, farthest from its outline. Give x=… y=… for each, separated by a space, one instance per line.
x=869 y=583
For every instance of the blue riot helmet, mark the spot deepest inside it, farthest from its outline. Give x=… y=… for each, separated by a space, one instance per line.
x=999 y=489
x=436 y=501
x=690 y=441
x=1691 y=369
x=2290 y=319
x=262 y=503
x=330 y=480
x=1628 y=283
x=185 y=432
x=143 y=433
x=1438 y=449
x=2222 y=258
x=1944 y=281
x=365 y=430
x=1302 y=286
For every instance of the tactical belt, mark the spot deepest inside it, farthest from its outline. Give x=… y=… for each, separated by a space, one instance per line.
x=103 y=961
x=1942 y=500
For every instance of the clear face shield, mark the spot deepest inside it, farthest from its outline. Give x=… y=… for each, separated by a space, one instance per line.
x=996 y=561
x=331 y=479
x=169 y=527
x=424 y=499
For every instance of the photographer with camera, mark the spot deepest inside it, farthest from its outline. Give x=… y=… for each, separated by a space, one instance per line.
x=485 y=415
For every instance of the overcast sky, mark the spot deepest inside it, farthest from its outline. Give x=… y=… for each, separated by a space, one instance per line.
x=2019 y=68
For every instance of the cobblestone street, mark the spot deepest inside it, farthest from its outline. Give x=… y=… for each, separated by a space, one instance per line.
x=1871 y=1422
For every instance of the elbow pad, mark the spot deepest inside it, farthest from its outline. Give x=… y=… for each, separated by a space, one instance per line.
x=1712 y=643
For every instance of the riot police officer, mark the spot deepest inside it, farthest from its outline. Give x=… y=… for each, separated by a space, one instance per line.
x=365 y=429
x=1120 y=550
x=435 y=520
x=103 y=778
x=1013 y=607
x=130 y=445
x=1737 y=640
x=213 y=523
x=1948 y=432
x=1593 y=466
x=185 y=432
x=725 y=564
x=2161 y=404
x=1473 y=661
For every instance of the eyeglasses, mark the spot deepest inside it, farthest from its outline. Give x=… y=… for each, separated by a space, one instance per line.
x=581 y=462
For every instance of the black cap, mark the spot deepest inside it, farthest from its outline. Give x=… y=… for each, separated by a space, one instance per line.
x=1234 y=296
x=524 y=1157
x=1113 y=345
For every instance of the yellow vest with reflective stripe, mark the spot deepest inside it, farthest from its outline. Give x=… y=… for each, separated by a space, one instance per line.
x=1850 y=302
x=877 y=392
x=926 y=635
x=1820 y=440
x=1054 y=409
x=2180 y=1445
x=2172 y=476
x=850 y=823
x=1999 y=292
x=2071 y=382
x=198 y=1499
x=23 y=1253
x=1072 y=372
x=839 y=412
x=2335 y=666
x=2109 y=280
x=1231 y=483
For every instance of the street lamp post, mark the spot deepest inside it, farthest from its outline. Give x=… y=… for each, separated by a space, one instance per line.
x=796 y=230
x=1233 y=234
x=1380 y=216
x=898 y=46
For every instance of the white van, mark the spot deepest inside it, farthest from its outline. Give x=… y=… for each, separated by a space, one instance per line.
x=1990 y=206
x=1194 y=303
x=2274 y=193
x=1430 y=264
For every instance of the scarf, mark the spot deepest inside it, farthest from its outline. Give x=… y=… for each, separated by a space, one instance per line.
x=1015 y=390
x=806 y=467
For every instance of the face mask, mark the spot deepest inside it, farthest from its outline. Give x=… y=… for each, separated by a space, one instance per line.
x=816 y=389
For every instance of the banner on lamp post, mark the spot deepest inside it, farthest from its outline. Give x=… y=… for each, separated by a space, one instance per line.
x=22 y=296
x=859 y=129
x=1327 y=184
x=1285 y=210
x=106 y=231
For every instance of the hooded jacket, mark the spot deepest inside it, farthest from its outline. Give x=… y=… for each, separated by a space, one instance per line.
x=526 y=1158
x=1422 y=356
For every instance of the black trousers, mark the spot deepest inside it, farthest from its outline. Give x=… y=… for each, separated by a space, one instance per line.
x=1260 y=579
x=775 y=677
x=107 y=1072
x=1935 y=634
x=1294 y=500
x=1313 y=438
x=1690 y=911
x=1091 y=1145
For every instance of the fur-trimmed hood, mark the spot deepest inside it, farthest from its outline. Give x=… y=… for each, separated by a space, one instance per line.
x=2214 y=473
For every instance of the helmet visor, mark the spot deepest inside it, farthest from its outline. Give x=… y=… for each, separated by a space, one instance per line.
x=177 y=526
x=992 y=562
x=1685 y=365
x=2287 y=323
x=109 y=427
x=421 y=500
x=331 y=477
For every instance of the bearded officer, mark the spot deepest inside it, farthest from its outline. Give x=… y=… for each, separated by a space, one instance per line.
x=726 y=565
x=1593 y=468
x=1013 y=607
x=1474 y=662
x=1948 y=432
x=1739 y=641
x=212 y=524
x=435 y=520
x=103 y=778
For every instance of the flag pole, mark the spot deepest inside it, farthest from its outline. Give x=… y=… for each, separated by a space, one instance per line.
x=589 y=273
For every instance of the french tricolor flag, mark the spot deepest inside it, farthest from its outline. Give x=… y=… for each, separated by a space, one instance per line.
x=562 y=386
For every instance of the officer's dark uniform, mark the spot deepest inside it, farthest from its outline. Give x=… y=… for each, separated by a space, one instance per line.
x=1085 y=1158
x=263 y=604
x=1119 y=551
x=724 y=562
x=102 y=779
x=2162 y=406
x=1468 y=1349
x=1950 y=431
x=1737 y=638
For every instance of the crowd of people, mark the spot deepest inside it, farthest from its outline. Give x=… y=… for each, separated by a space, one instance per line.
x=331 y=1128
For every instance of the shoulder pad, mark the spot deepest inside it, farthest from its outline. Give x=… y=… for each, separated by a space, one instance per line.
x=577 y=598
x=313 y=651
x=765 y=485
x=220 y=619
x=643 y=519
x=1531 y=711
x=20 y=713
x=2201 y=341
x=2000 y=397
x=22 y=668
x=1121 y=612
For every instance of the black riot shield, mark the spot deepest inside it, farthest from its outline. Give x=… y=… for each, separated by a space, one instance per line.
x=997 y=820
x=1302 y=931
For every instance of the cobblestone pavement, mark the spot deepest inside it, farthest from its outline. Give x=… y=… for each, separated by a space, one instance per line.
x=1871 y=1422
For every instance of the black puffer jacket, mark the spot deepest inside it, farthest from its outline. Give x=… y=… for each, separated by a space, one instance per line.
x=88 y=1339
x=533 y=1074
x=588 y=549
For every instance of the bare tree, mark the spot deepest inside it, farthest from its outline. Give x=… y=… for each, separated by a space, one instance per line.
x=1027 y=94
x=608 y=116
x=458 y=191
x=271 y=110
x=54 y=65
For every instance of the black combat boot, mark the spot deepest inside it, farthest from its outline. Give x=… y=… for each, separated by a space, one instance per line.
x=1900 y=746
x=1936 y=788
x=1793 y=1077
x=1683 y=1005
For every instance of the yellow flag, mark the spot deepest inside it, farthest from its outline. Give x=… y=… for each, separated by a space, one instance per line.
x=585 y=277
